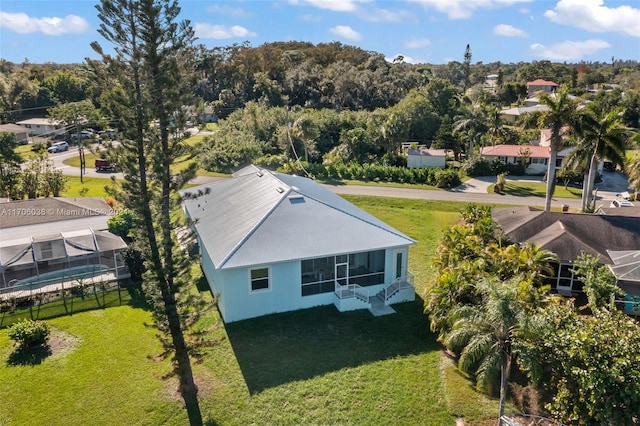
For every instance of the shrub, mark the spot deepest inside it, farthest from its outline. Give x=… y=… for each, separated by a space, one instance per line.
x=121 y=223
x=447 y=178
x=29 y=333
x=477 y=166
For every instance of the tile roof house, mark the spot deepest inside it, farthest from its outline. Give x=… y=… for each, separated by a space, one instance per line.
x=541 y=85
x=609 y=237
x=537 y=156
x=49 y=244
x=425 y=157
x=272 y=242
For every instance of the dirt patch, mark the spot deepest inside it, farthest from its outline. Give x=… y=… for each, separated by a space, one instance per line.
x=61 y=343
x=58 y=345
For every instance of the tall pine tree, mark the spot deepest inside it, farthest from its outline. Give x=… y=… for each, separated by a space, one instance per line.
x=146 y=84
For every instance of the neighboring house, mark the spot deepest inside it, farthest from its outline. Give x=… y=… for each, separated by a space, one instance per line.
x=50 y=244
x=570 y=234
x=424 y=157
x=540 y=85
x=20 y=132
x=537 y=157
x=41 y=127
x=626 y=268
x=510 y=116
x=271 y=242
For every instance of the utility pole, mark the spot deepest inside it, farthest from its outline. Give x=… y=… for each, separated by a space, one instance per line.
x=79 y=141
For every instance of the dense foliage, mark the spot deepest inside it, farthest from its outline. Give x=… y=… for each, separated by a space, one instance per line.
x=594 y=364
x=29 y=333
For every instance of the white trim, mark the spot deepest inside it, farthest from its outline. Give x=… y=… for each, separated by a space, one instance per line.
x=262 y=290
x=403 y=266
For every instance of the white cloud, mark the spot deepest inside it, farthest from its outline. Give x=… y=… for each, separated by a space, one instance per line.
x=568 y=50
x=509 y=31
x=385 y=15
x=24 y=24
x=236 y=12
x=311 y=18
x=221 y=31
x=345 y=32
x=334 y=5
x=593 y=16
x=463 y=9
x=416 y=43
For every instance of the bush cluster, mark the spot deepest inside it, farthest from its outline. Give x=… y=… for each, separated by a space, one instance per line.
x=480 y=166
x=434 y=176
x=29 y=333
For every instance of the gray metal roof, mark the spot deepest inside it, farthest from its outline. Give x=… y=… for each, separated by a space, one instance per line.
x=261 y=217
x=16 y=232
x=626 y=265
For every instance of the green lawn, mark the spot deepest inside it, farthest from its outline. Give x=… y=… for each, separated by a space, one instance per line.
x=315 y=366
x=95 y=187
x=537 y=189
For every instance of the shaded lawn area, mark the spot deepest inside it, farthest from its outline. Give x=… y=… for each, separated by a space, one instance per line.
x=315 y=366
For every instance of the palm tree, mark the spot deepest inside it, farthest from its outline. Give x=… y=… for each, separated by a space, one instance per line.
x=472 y=122
x=495 y=126
x=633 y=170
x=601 y=135
x=561 y=112
x=486 y=334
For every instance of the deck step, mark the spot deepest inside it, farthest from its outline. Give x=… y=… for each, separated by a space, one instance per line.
x=380 y=310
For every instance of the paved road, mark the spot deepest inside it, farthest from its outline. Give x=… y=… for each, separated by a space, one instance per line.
x=453 y=195
x=473 y=191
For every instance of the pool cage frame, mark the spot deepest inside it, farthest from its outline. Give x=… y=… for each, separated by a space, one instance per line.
x=48 y=264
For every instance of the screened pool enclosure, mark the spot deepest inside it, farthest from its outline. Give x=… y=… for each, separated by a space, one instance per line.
x=51 y=263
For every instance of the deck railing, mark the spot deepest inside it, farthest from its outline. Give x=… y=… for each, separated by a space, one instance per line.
x=351 y=290
x=397 y=285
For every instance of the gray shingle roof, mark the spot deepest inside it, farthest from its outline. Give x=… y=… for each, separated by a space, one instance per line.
x=260 y=217
x=569 y=234
x=48 y=210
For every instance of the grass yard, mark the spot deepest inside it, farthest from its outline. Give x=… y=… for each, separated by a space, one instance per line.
x=315 y=367
x=95 y=187
x=537 y=189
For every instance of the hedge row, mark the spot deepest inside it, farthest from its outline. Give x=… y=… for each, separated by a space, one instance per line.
x=433 y=176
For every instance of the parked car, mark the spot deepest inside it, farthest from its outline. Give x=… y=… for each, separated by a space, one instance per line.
x=109 y=133
x=58 y=147
x=103 y=165
x=621 y=203
x=82 y=135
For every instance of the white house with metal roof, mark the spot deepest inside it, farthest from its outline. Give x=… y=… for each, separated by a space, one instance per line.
x=272 y=242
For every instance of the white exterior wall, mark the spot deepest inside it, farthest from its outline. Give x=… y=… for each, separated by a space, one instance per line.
x=417 y=161
x=41 y=129
x=238 y=302
x=531 y=169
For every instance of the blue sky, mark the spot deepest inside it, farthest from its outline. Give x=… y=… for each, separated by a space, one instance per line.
x=423 y=31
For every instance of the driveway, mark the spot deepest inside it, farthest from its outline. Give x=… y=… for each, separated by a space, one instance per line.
x=613 y=183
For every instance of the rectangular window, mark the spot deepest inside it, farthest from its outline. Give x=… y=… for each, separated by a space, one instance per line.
x=260 y=279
